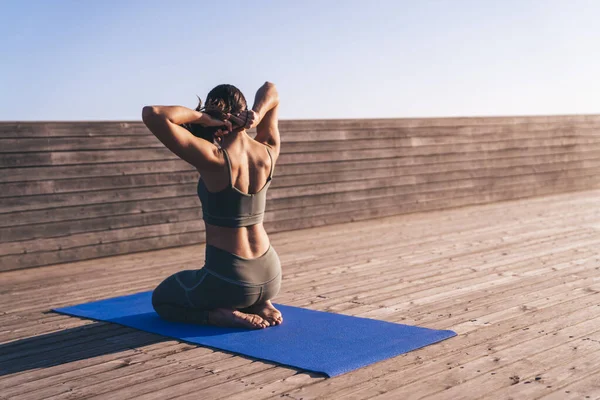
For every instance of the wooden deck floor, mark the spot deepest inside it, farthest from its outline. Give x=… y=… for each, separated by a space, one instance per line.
x=518 y=281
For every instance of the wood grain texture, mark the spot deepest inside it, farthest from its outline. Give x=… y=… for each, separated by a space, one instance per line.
x=78 y=190
x=517 y=280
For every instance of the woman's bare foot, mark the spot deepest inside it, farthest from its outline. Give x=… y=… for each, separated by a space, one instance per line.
x=267 y=311
x=235 y=319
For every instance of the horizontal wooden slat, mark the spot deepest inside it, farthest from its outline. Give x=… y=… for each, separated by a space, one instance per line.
x=474 y=133
x=497 y=147
x=515 y=154
x=303 y=125
x=26 y=174
x=68 y=128
x=106 y=236
x=112 y=221
x=311 y=154
x=334 y=140
x=71 y=128
x=101 y=211
x=10 y=204
x=100 y=250
x=30 y=188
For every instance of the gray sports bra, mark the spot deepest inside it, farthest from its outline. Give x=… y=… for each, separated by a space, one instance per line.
x=230 y=207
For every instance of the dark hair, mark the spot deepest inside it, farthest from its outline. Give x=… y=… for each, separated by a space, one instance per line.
x=222 y=100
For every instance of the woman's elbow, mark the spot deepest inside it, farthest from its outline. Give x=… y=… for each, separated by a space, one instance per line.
x=148 y=112
x=271 y=91
x=270 y=86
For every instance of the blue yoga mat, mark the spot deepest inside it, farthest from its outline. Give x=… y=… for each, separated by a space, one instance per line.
x=317 y=341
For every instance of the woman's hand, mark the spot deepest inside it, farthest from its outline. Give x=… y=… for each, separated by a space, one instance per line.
x=207 y=120
x=246 y=119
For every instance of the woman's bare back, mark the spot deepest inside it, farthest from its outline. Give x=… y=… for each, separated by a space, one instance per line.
x=250 y=170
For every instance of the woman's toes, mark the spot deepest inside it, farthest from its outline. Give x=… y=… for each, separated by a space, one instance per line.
x=250 y=320
x=258 y=321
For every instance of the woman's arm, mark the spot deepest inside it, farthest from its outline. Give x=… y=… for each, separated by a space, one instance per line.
x=164 y=121
x=266 y=105
x=263 y=116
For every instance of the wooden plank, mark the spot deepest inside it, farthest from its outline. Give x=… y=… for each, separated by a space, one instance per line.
x=302 y=125
x=11 y=160
x=46 y=144
x=534 y=383
x=461 y=149
x=336 y=140
x=10 y=204
x=71 y=128
x=18 y=235
x=36 y=188
x=63 y=235
x=586 y=388
x=450 y=143
x=101 y=250
x=93 y=170
x=117 y=210
x=505 y=166
x=75 y=128
x=473 y=133
x=516 y=157
x=191 y=177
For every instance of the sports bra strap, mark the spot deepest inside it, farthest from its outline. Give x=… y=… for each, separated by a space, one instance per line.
x=228 y=167
x=271 y=157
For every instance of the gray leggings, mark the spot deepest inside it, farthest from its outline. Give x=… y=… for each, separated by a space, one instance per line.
x=225 y=281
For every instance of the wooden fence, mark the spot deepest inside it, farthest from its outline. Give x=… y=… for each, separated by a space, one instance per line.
x=79 y=190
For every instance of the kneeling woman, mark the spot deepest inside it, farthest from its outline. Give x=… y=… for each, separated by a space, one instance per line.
x=241 y=271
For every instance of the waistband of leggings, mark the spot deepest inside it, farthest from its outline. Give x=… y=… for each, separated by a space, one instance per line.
x=246 y=271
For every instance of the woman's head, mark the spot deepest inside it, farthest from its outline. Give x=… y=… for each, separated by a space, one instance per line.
x=222 y=100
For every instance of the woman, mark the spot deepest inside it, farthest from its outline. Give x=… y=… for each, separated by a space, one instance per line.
x=242 y=272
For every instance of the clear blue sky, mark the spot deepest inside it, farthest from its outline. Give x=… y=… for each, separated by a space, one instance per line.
x=105 y=59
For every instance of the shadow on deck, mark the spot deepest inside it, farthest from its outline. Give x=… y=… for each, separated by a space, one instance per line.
x=70 y=345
